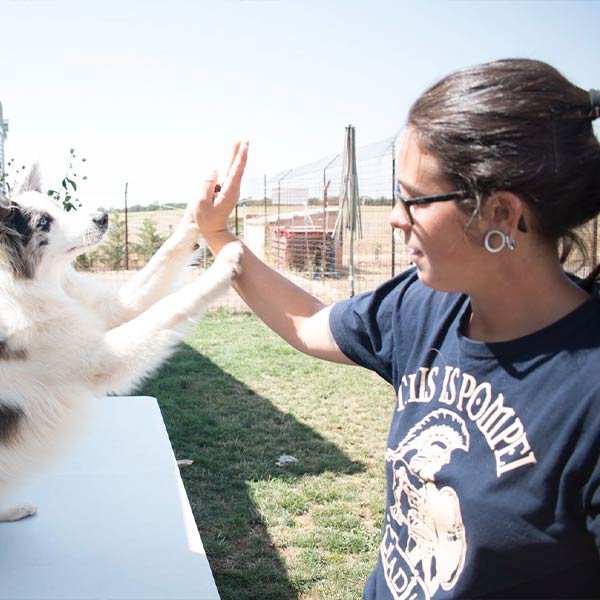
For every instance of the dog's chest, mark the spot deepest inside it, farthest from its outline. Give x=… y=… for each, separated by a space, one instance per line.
x=57 y=338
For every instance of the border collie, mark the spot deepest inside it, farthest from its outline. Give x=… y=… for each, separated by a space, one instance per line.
x=66 y=336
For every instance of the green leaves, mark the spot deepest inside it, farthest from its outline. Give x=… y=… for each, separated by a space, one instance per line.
x=66 y=182
x=65 y=195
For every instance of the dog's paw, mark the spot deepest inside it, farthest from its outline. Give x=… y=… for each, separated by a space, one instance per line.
x=16 y=513
x=229 y=258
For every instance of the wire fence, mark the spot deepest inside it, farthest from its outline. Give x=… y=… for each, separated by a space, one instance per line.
x=299 y=227
x=303 y=229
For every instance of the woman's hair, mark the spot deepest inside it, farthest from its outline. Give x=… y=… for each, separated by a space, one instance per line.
x=516 y=125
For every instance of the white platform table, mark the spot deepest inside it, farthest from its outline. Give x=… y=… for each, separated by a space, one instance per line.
x=113 y=521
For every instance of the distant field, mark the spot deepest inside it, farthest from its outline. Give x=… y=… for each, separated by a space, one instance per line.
x=163 y=219
x=372 y=252
x=374 y=218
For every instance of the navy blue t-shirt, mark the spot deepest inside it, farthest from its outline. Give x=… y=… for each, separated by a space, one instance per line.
x=493 y=478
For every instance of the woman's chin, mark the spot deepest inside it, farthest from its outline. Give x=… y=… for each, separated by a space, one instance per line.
x=429 y=278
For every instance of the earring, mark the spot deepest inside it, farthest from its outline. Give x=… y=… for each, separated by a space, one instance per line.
x=504 y=241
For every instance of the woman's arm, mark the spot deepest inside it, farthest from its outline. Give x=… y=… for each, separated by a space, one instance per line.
x=298 y=317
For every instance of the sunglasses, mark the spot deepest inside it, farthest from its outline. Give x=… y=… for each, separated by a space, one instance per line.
x=406 y=202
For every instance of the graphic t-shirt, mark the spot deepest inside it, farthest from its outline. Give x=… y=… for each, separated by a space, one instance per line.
x=493 y=477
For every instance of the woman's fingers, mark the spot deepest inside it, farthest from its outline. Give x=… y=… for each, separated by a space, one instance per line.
x=216 y=201
x=234 y=152
x=231 y=185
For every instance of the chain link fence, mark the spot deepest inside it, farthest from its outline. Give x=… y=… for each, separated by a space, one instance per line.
x=302 y=229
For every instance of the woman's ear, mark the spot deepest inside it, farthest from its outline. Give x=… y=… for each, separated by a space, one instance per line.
x=505 y=211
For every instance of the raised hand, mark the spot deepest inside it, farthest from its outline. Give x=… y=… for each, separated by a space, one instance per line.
x=214 y=205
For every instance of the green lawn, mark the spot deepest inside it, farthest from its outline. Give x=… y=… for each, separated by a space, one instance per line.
x=235 y=398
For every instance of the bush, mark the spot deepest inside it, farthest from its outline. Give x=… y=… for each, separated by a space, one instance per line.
x=149 y=240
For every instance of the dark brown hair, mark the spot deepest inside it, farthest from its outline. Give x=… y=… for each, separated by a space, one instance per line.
x=516 y=125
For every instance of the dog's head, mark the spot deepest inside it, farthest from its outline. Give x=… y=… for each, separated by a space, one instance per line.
x=36 y=233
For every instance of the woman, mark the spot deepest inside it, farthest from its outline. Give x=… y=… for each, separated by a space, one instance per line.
x=492 y=463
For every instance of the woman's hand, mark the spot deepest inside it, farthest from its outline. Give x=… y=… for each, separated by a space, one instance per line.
x=215 y=205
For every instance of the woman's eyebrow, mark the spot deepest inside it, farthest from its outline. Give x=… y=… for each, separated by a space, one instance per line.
x=414 y=192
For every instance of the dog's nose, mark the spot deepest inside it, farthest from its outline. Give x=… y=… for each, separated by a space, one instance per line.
x=101 y=219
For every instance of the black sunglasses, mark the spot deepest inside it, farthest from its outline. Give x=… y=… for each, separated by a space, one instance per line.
x=406 y=202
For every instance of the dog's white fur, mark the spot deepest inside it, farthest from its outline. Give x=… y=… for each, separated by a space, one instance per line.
x=66 y=336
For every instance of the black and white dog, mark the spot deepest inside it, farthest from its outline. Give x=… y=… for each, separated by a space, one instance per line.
x=66 y=336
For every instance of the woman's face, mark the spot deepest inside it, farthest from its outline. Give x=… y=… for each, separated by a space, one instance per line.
x=446 y=257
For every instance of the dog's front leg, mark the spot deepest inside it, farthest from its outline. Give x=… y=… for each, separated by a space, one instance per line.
x=158 y=277
x=135 y=348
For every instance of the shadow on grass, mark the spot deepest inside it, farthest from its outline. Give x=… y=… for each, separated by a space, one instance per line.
x=235 y=436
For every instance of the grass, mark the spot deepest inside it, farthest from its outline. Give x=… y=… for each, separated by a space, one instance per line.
x=234 y=398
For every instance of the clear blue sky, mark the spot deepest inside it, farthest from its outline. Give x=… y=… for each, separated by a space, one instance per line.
x=155 y=92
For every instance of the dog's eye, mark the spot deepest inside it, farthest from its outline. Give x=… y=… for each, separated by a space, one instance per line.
x=43 y=223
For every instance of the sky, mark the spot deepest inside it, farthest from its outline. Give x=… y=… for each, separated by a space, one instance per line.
x=154 y=93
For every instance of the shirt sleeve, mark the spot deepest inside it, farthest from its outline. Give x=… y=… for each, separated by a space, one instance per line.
x=365 y=327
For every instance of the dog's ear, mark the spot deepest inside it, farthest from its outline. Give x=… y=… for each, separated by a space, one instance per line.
x=33 y=181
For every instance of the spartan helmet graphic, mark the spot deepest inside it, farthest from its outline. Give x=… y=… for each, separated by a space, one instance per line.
x=424 y=543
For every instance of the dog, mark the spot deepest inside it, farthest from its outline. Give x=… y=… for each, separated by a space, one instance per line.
x=66 y=336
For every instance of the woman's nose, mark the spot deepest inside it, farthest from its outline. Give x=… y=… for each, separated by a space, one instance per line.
x=399 y=219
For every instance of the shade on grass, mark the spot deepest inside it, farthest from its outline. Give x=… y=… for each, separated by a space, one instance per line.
x=234 y=398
